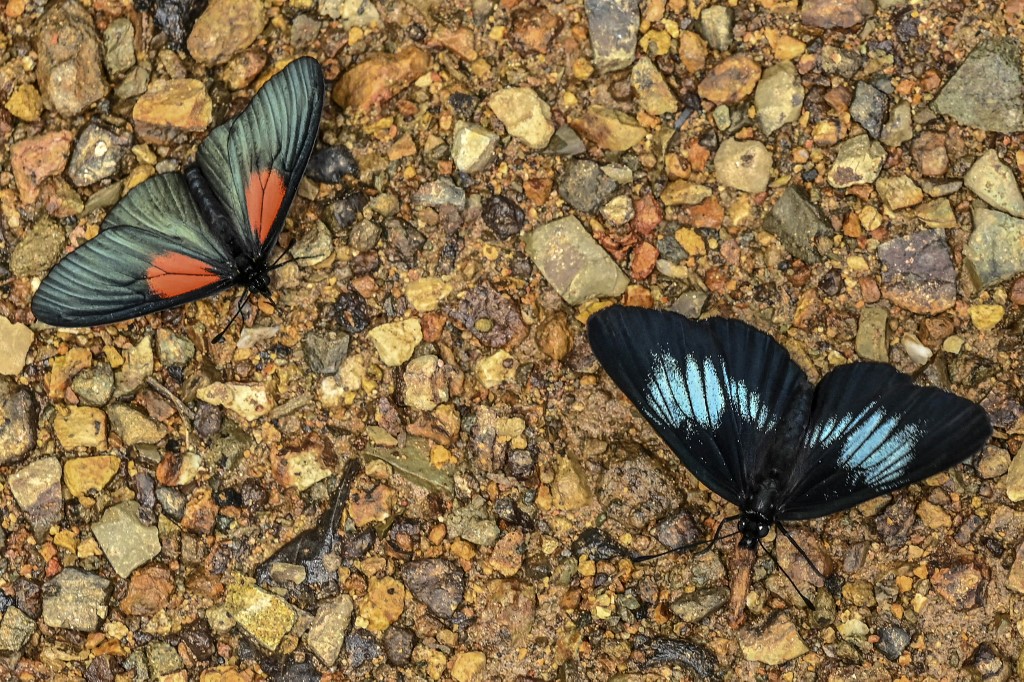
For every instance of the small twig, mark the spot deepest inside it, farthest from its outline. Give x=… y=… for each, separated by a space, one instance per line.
x=186 y=414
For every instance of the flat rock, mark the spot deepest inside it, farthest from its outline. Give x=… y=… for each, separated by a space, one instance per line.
x=858 y=162
x=898 y=192
x=473 y=147
x=149 y=590
x=684 y=193
x=137 y=366
x=797 y=223
x=930 y=154
x=379 y=77
x=987 y=91
x=249 y=401
x=836 y=13
x=18 y=421
x=698 y=605
x=995 y=249
x=15 y=341
x=776 y=644
x=94 y=385
x=119 y=45
x=75 y=600
x=126 y=541
x=325 y=351
x=716 y=26
x=331 y=623
x=584 y=186
x=172 y=107
x=15 y=629
x=86 y=475
x=731 y=81
x=440 y=192
x=524 y=114
x=918 y=273
x=744 y=165
x=36 y=488
x=995 y=184
x=495 y=369
x=899 y=128
x=869 y=108
x=301 y=469
x=609 y=129
x=873 y=334
x=653 y=94
x=573 y=263
x=70 y=69
x=97 y=156
x=225 y=28
x=937 y=213
x=439 y=583
x=133 y=427
x=36 y=158
x=427 y=293
x=264 y=616
x=779 y=97
x=612 y=25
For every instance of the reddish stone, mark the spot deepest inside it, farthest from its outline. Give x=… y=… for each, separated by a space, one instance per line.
x=645 y=257
x=149 y=591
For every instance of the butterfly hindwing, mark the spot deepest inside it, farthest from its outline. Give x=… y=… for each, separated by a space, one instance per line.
x=255 y=161
x=871 y=430
x=153 y=252
x=716 y=391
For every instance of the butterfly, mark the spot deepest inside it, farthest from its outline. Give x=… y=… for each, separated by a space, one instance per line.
x=179 y=237
x=743 y=417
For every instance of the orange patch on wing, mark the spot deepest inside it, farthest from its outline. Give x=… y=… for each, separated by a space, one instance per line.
x=173 y=274
x=263 y=198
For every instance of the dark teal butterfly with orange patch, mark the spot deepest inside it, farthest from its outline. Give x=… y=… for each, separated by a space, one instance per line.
x=178 y=237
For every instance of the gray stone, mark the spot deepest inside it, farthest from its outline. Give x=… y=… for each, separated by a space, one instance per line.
x=473 y=524
x=858 y=162
x=36 y=488
x=438 y=583
x=440 y=192
x=126 y=541
x=352 y=13
x=584 y=186
x=918 y=273
x=779 y=96
x=900 y=126
x=18 y=417
x=573 y=263
x=15 y=629
x=524 y=114
x=716 y=27
x=613 y=26
x=698 y=605
x=987 y=91
x=797 y=223
x=873 y=334
x=566 y=142
x=173 y=349
x=995 y=184
x=75 y=600
x=119 y=46
x=869 y=108
x=691 y=303
x=15 y=341
x=38 y=250
x=162 y=659
x=473 y=147
x=837 y=61
x=325 y=351
x=652 y=92
x=995 y=250
x=69 y=73
x=133 y=427
x=94 y=385
x=743 y=165
x=326 y=635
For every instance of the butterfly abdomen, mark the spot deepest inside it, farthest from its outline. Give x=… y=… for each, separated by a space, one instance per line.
x=212 y=210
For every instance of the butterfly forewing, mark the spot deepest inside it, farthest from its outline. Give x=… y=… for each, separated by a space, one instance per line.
x=254 y=162
x=716 y=391
x=871 y=430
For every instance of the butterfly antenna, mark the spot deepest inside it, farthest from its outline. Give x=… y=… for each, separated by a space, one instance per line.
x=238 y=311
x=638 y=558
x=801 y=550
x=807 y=602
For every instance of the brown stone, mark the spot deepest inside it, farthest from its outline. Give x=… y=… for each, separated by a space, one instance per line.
x=836 y=13
x=70 y=70
x=36 y=158
x=731 y=81
x=149 y=591
x=693 y=51
x=534 y=27
x=929 y=152
x=379 y=77
x=171 y=107
x=609 y=129
x=226 y=27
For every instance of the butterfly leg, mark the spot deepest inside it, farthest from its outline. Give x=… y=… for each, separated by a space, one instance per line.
x=637 y=558
x=807 y=602
x=238 y=311
x=801 y=550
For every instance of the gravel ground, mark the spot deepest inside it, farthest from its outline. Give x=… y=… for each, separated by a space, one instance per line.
x=412 y=467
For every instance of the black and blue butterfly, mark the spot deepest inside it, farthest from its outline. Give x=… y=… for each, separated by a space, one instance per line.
x=743 y=417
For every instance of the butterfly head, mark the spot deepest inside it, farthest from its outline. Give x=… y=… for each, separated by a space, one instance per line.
x=753 y=527
x=256 y=278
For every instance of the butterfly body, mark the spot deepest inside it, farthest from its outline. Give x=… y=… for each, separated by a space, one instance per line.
x=179 y=237
x=745 y=420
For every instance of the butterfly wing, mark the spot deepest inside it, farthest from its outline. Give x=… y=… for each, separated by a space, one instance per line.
x=716 y=391
x=255 y=161
x=871 y=430
x=153 y=252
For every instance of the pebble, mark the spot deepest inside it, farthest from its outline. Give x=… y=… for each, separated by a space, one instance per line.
x=331 y=624
x=797 y=223
x=618 y=211
x=85 y=476
x=584 y=186
x=325 y=351
x=554 y=338
x=573 y=263
x=869 y=108
x=76 y=600
x=176 y=19
x=612 y=25
x=609 y=129
x=119 y=46
x=440 y=192
x=97 y=156
x=779 y=97
x=858 y=162
x=362 y=647
x=693 y=51
x=743 y=165
x=898 y=192
x=69 y=73
x=698 y=605
x=439 y=583
x=495 y=369
x=133 y=427
x=467 y=666
x=263 y=616
x=224 y=28
x=425 y=385
x=892 y=641
x=900 y=126
x=36 y=488
x=994 y=183
x=565 y=142
x=473 y=147
x=835 y=13
x=1015 y=581
x=398 y=645
x=396 y=341
x=379 y=77
x=959 y=584
x=80 y=427
x=171 y=107
x=94 y=385
x=918 y=273
x=873 y=334
x=930 y=155
x=15 y=629
x=249 y=401
x=25 y=103
x=653 y=94
x=774 y=645
x=352 y=13
x=126 y=541
x=937 y=213
x=162 y=659
x=987 y=91
x=490 y=316
x=986 y=316
x=1015 y=479
x=995 y=463
x=684 y=193
x=503 y=216
x=994 y=251
x=15 y=341
x=524 y=114
x=716 y=26
x=173 y=350
x=730 y=81
x=691 y=303
x=383 y=603
x=18 y=419
x=36 y=158
x=137 y=366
